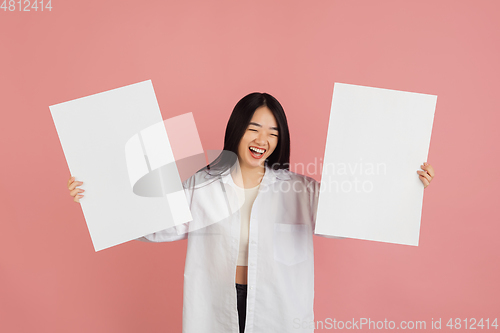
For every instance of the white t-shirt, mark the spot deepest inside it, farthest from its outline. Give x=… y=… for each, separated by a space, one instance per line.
x=245 y=210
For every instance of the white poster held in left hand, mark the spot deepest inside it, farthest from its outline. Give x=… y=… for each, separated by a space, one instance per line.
x=377 y=140
x=117 y=144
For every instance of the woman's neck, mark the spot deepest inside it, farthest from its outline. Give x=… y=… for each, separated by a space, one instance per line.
x=251 y=177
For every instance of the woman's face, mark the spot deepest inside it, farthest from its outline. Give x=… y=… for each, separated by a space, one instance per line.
x=260 y=139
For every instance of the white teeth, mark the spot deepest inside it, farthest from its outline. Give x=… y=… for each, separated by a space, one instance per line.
x=257 y=150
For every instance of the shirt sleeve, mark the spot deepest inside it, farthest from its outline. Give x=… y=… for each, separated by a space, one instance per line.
x=313 y=189
x=174 y=233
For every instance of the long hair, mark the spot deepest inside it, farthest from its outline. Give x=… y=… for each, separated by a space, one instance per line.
x=237 y=125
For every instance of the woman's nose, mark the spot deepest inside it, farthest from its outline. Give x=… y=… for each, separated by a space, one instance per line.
x=260 y=139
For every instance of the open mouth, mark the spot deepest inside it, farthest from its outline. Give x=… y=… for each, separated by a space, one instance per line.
x=256 y=152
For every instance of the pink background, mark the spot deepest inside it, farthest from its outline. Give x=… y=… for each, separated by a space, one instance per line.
x=202 y=57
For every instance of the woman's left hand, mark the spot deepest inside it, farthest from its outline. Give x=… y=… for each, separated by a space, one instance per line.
x=427 y=175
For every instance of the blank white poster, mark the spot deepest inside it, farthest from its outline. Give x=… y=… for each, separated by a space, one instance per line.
x=377 y=140
x=117 y=144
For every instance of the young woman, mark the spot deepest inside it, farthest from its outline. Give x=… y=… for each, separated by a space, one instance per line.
x=265 y=246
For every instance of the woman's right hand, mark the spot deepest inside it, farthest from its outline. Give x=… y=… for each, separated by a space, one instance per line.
x=72 y=186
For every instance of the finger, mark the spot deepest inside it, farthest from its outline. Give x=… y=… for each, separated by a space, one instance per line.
x=427 y=167
x=74 y=184
x=425 y=170
x=72 y=179
x=425 y=175
x=77 y=198
x=76 y=191
x=424 y=180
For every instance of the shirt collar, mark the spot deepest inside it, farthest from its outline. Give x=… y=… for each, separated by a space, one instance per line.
x=270 y=176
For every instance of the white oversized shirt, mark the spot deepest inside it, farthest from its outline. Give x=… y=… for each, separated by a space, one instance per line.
x=280 y=257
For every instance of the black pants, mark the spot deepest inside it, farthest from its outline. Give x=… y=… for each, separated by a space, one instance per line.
x=241 y=292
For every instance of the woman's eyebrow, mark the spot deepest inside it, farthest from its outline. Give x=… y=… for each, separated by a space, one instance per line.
x=259 y=125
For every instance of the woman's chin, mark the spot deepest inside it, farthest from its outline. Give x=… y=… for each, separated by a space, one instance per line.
x=254 y=163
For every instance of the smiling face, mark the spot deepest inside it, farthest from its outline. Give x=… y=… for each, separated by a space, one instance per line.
x=259 y=140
